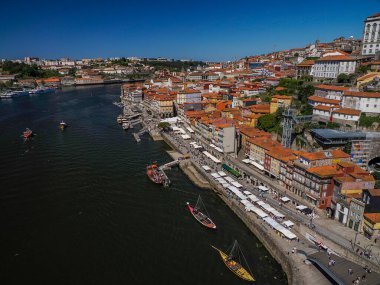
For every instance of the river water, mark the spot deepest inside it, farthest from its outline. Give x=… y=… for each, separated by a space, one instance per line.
x=76 y=206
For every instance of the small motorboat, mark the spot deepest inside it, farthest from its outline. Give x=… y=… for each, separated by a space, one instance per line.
x=62 y=125
x=28 y=133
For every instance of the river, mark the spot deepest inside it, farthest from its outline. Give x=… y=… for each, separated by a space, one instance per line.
x=76 y=206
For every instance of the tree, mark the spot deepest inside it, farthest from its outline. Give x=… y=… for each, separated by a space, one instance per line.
x=343 y=78
x=364 y=69
x=266 y=122
x=304 y=92
x=164 y=125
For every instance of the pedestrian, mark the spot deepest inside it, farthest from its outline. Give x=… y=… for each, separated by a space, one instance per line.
x=363 y=277
x=350 y=271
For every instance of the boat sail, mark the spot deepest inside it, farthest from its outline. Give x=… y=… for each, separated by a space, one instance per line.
x=233 y=261
x=200 y=213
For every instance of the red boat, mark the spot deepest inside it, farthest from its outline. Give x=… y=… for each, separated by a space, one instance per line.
x=201 y=217
x=28 y=133
x=155 y=174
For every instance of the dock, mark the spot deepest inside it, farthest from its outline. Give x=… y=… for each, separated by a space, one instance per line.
x=140 y=133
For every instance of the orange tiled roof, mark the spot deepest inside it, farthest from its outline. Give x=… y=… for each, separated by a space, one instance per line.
x=333 y=154
x=336 y=58
x=347 y=111
x=285 y=97
x=323 y=171
x=324 y=108
x=307 y=63
x=362 y=94
x=373 y=217
x=374 y=15
x=324 y=100
x=374 y=192
x=332 y=87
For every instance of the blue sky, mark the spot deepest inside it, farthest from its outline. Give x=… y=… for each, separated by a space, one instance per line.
x=202 y=30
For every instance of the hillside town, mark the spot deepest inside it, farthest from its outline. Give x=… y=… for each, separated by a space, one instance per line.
x=323 y=148
x=307 y=117
x=283 y=148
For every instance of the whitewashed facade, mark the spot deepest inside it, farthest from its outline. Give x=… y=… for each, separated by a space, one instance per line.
x=371 y=35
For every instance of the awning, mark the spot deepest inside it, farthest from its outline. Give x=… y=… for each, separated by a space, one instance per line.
x=311 y=197
x=263 y=188
x=213 y=158
x=259 y=166
x=253 y=198
x=288 y=234
x=285 y=199
x=236 y=184
x=288 y=224
x=221 y=173
x=229 y=179
x=215 y=175
x=205 y=167
x=219 y=149
x=301 y=207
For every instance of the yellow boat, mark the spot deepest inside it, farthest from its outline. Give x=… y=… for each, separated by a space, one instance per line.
x=234 y=266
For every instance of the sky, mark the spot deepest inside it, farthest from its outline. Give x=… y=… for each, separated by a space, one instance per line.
x=199 y=30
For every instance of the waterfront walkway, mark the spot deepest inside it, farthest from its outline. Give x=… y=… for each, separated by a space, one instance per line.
x=343 y=271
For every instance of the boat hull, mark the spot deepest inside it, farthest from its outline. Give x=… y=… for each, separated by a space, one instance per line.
x=235 y=267
x=154 y=175
x=202 y=218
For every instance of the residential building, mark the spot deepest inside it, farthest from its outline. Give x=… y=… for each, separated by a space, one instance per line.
x=371 y=35
x=304 y=68
x=189 y=96
x=371 y=226
x=330 y=65
x=367 y=102
x=349 y=183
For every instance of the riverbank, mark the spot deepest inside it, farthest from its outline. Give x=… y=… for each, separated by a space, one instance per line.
x=297 y=271
x=187 y=167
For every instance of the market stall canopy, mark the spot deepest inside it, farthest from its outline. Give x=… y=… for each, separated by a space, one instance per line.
x=263 y=188
x=285 y=199
x=288 y=224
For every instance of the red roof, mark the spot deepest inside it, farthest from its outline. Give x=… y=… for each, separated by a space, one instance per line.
x=336 y=58
x=347 y=111
x=331 y=87
x=323 y=100
x=362 y=94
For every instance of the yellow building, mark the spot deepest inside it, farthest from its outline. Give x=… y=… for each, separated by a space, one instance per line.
x=371 y=225
x=165 y=106
x=367 y=78
x=280 y=101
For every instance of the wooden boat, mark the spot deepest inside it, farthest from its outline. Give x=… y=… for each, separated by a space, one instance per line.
x=155 y=174
x=198 y=213
x=62 y=125
x=230 y=260
x=27 y=134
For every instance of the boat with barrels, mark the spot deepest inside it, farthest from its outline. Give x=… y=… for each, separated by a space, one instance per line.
x=155 y=174
x=199 y=212
x=234 y=259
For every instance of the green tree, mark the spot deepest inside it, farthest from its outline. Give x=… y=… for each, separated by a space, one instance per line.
x=343 y=78
x=304 y=92
x=164 y=125
x=266 y=122
x=364 y=69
